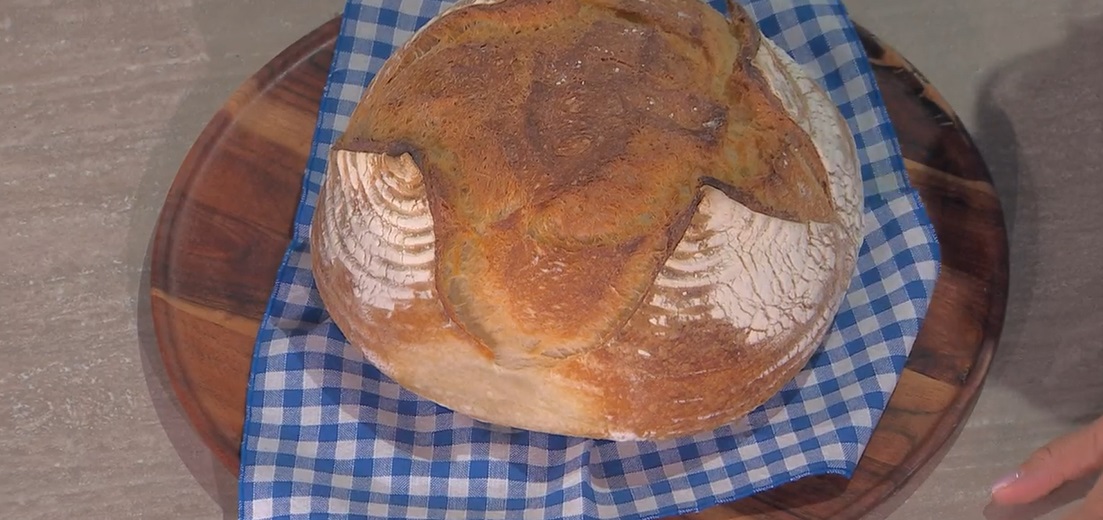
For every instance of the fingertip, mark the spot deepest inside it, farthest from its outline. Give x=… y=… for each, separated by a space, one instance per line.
x=1021 y=488
x=999 y=490
x=1003 y=496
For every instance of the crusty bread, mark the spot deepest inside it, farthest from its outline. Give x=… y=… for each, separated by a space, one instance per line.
x=618 y=219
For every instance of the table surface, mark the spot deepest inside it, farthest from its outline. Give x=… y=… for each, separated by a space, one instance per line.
x=99 y=102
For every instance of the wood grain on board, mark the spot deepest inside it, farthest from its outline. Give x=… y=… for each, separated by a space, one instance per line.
x=227 y=222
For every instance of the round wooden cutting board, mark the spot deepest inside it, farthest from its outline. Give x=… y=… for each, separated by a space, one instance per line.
x=227 y=221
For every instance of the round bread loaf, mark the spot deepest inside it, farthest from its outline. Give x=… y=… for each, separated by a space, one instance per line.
x=619 y=219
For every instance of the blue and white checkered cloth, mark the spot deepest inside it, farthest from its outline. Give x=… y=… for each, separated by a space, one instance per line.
x=327 y=436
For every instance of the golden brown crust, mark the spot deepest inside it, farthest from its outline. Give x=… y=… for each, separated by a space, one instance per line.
x=563 y=142
x=565 y=147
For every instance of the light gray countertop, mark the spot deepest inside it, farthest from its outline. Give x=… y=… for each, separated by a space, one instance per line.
x=100 y=100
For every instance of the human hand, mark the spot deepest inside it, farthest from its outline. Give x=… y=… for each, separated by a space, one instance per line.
x=1067 y=458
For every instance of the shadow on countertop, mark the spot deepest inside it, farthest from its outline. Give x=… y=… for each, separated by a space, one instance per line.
x=1040 y=128
x=232 y=53
x=1041 y=132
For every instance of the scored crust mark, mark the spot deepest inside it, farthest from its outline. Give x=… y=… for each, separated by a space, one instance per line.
x=378 y=221
x=760 y=275
x=742 y=299
x=540 y=125
x=812 y=109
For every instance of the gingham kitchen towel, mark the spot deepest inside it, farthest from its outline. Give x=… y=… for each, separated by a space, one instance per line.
x=327 y=436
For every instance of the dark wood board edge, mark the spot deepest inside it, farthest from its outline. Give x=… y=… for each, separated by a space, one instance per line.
x=325 y=35
x=955 y=417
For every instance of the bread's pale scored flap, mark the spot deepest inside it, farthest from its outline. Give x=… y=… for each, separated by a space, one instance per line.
x=617 y=219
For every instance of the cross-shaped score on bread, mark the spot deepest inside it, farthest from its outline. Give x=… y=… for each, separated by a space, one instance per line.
x=588 y=194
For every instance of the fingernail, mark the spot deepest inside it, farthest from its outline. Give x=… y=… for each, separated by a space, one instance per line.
x=1005 y=481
